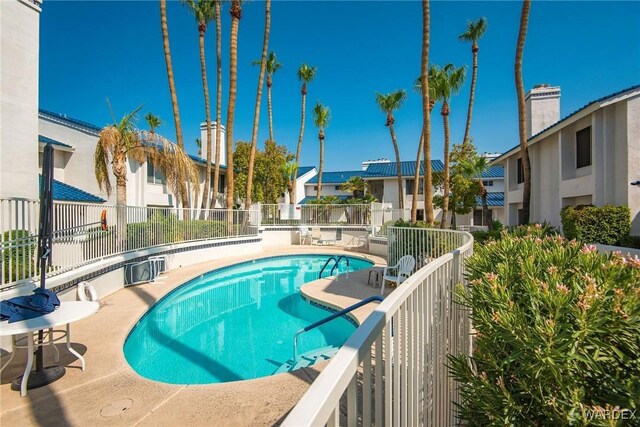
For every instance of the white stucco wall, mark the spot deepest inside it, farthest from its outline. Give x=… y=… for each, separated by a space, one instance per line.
x=557 y=182
x=79 y=169
x=19 y=63
x=223 y=147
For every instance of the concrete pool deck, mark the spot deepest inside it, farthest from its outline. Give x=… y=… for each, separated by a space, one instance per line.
x=109 y=392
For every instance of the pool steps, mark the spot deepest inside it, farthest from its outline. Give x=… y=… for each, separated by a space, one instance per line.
x=308 y=359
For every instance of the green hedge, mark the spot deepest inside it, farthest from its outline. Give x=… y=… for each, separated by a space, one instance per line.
x=608 y=225
x=171 y=230
x=18 y=255
x=557 y=334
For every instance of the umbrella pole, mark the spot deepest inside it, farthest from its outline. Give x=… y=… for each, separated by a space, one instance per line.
x=43 y=376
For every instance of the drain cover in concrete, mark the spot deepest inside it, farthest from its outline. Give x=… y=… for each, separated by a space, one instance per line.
x=116 y=408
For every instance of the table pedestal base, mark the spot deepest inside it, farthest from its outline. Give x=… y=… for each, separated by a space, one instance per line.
x=39 y=379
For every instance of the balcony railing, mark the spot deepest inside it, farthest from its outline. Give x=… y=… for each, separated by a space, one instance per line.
x=80 y=236
x=392 y=371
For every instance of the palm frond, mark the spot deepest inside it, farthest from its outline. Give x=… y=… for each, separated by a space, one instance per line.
x=172 y=161
x=100 y=162
x=202 y=10
x=306 y=73
x=321 y=115
x=392 y=101
x=475 y=30
x=272 y=63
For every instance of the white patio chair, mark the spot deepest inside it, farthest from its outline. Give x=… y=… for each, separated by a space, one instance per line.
x=305 y=234
x=403 y=270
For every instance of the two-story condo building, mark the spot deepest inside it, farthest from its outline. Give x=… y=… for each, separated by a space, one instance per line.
x=589 y=157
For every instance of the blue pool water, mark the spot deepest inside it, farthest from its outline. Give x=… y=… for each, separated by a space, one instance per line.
x=234 y=323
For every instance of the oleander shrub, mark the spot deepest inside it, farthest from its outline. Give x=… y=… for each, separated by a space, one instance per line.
x=557 y=333
x=608 y=225
x=19 y=251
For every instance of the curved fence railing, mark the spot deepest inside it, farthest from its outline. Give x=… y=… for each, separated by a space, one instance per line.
x=392 y=370
x=84 y=233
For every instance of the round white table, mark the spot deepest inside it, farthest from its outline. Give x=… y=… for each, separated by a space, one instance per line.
x=67 y=313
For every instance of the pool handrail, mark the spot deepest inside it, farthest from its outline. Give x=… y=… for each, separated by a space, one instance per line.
x=335 y=267
x=329 y=318
x=325 y=266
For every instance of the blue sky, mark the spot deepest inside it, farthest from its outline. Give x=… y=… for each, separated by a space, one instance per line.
x=93 y=50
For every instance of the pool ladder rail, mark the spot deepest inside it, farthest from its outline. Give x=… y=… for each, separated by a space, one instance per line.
x=335 y=266
x=329 y=318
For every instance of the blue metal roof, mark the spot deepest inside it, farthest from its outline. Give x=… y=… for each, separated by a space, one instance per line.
x=70 y=120
x=493 y=199
x=204 y=161
x=304 y=169
x=338 y=177
x=494 y=172
x=408 y=168
x=310 y=198
x=602 y=99
x=68 y=193
x=45 y=140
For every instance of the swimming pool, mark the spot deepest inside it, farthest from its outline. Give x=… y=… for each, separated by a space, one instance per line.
x=235 y=323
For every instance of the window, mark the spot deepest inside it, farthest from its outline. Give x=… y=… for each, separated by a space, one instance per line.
x=420 y=215
x=487 y=183
x=221 y=177
x=410 y=184
x=315 y=188
x=520 y=216
x=337 y=187
x=154 y=176
x=520 y=178
x=583 y=148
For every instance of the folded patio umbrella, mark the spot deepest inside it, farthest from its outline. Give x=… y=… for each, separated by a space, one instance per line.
x=42 y=301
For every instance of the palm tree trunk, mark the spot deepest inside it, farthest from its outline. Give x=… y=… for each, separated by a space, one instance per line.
x=269 y=109
x=524 y=152
x=207 y=109
x=299 y=148
x=236 y=11
x=426 y=115
x=172 y=90
x=454 y=223
x=216 y=168
x=399 y=172
x=474 y=76
x=120 y=172
x=321 y=166
x=256 y=112
x=445 y=196
x=416 y=184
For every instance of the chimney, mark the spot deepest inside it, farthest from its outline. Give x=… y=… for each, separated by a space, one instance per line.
x=203 y=138
x=543 y=108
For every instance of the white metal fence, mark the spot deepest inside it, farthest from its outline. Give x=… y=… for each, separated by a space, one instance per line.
x=315 y=215
x=392 y=371
x=79 y=236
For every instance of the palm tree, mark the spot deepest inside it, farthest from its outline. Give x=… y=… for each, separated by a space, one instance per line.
x=216 y=168
x=172 y=91
x=256 y=112
x=426 y=114
x=446 y=82
x=417 y=86
x=153 y=122
x=388 y=104
x=204 y=13
x=272 y=66
x=524 y=152
x=321 y=117
x=288 y=171
x=305 y=75
x=474 y=32
x=122 y=141
x=356 y=186
x=236 y=14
